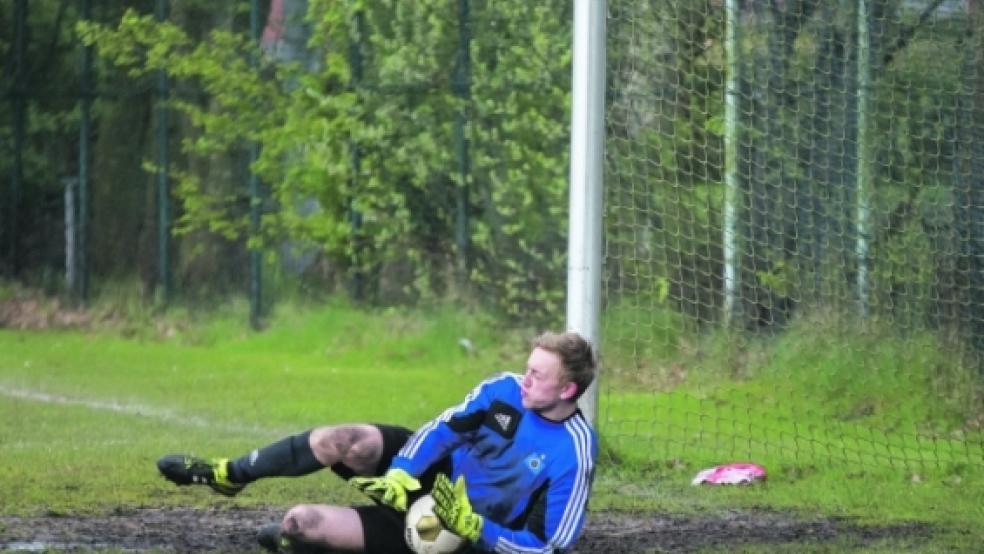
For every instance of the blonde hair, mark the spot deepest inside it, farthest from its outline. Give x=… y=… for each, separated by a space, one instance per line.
x=576 y=356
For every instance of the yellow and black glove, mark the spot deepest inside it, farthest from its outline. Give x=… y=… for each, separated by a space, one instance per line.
x=452 y=507
x=390 y=489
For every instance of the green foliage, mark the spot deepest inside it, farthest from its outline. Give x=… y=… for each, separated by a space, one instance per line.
x=242 y=104
x=370 y=136
x=824 y=364
x=644 y=339
x=51 y=119
x=892 y=382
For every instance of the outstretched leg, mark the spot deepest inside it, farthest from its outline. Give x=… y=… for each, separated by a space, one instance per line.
x=357 y=447
x=354 y=449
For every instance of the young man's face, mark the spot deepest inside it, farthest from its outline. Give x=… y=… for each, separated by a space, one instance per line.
x=544 y=385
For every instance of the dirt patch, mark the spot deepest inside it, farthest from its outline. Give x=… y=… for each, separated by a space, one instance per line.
x=182 y=530
x=728 y=530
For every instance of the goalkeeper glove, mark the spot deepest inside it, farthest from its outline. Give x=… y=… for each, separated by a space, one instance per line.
x=452 y=507
x=390 y=489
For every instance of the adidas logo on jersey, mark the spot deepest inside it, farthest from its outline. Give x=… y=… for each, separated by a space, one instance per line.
x=503 y=420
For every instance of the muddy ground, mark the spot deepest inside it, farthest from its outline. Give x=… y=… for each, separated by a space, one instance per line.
x=231 y=530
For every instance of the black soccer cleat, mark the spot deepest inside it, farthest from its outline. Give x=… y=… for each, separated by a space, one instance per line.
x=181 y=469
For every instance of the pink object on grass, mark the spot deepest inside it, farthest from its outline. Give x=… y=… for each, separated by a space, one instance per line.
x=730 y=474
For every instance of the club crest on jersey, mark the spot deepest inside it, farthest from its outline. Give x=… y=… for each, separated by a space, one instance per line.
x=535 y=462
x=502 y=419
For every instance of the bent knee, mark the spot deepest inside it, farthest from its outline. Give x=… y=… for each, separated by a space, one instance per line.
x=357 y=446
x=333 y=527
x=304 y=522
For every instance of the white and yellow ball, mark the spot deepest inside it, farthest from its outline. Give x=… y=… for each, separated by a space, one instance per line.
x=425 y=534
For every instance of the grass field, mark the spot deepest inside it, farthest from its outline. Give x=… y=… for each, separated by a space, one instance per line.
x=106 y=407
x=84 y=415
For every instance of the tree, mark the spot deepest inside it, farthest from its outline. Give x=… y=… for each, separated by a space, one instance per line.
x=372 y=134
x=39 y=78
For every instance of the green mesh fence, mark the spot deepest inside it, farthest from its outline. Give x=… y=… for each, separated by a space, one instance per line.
x=796 y=279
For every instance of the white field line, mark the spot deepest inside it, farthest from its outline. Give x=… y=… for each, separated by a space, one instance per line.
x=25 y=444
x=135 y=410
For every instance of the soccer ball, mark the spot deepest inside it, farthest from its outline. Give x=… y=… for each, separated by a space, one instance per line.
x=425 y=534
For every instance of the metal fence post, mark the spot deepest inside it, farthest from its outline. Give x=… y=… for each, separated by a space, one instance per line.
x=163 y=192
x=80 y=282
x=255 y=255
x=864 y=159
x=461 y=86
x=71 y=185
x=18 y=99
x=355 y=216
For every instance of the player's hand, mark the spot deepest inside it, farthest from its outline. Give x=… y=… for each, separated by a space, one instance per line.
x=390 y=489
x=452 y=507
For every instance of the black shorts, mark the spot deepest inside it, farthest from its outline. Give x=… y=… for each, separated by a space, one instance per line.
x=382 y=526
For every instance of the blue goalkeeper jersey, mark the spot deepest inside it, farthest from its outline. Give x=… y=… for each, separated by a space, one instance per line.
x=530 y=477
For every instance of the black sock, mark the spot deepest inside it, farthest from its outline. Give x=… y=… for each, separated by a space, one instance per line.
x=289 y=457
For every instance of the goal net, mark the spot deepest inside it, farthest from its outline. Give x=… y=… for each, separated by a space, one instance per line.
x=794 y=235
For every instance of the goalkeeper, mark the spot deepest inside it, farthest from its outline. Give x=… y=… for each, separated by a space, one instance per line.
x=510 y=468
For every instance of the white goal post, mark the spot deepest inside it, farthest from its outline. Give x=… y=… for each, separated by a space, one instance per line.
x=586 y=191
